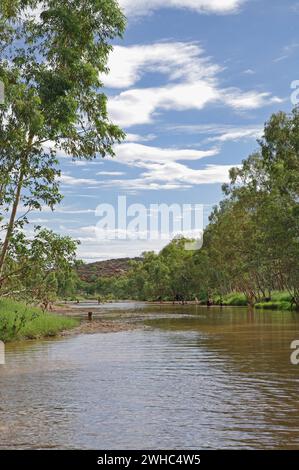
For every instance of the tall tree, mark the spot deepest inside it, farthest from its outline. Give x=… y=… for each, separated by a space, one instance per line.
x=267 y=185
x=52 y=56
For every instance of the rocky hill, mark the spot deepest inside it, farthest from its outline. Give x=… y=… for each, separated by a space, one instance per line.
x=109 y=268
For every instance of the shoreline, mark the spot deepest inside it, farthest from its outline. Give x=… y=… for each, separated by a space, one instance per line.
x=271 y=305
x=99 y=324
x=96 y=325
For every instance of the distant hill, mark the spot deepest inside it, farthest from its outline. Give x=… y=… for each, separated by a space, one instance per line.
x=109 y=268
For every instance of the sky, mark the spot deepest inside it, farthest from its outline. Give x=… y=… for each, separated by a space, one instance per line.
x=192 y=83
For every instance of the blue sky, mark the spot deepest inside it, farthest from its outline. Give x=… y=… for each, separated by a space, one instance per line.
x=192 y=83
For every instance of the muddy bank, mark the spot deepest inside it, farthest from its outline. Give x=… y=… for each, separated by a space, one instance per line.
x=97 y=324
x=100 y=326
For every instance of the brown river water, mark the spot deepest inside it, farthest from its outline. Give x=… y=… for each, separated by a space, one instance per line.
x=195 y=378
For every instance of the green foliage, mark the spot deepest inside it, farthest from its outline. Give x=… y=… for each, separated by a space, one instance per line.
x=51 y=66
x=40 y=269
x=234 y=299
x=251 y=244
x=265 y=191
x=20 y=321
x=279 y=301
x=274 y=305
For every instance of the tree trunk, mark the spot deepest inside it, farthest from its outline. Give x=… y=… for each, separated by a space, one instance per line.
x=12 y=219
x=296 y=299
x=4 y=184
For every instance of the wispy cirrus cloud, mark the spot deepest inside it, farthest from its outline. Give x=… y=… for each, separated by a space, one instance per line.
x=221 y=133
x=110 y=173
x=173 y=176
x=176 y=60
x=144 y=7
x=74 y=181
x=145 y=104
x=159 y=169
x=166 y=168
x=287 y=51
x=139 y=155
x=139 y=138
x=192 y=82
x=137 y=8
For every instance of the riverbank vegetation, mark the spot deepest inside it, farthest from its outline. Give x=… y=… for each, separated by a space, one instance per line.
x=50 y=65
x=250 y=254
x=20 y=321
x=277 y=301
x=53 y=107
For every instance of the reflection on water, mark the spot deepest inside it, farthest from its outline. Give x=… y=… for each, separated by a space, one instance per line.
x=196 y=379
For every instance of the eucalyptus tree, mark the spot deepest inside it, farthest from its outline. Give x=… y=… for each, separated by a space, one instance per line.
x=37 y=268
x=179 y=262
x=156 y=277
x=52 y=55
x=267 y=183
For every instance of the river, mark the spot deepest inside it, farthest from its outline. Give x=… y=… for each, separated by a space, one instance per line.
x=194 y=378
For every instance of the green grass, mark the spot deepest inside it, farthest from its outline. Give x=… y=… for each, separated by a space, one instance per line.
x=279 y=301
x=273 y=305
x=20 y=321
x=234 y=299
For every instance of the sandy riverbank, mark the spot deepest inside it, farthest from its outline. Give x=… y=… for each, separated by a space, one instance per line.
x=98 y=324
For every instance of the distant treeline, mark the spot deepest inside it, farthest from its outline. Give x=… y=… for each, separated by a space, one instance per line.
x=251 y=244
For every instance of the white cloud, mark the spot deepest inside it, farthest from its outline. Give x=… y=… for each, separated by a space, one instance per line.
x=221 y=133
x=163 y=168
x=160 y=166
x=134 y=8
x=248 y=100
x=73 y=181
x=92 y=250
x=170 y=176
x=143 y=104
x=110 y=173
x=176 y=60
x=192 y=82
x=75 y=211
x=287 y=51
x=143 y=7
x=64 y=210
x=190 y=77
x=177 y=172
x=235 y=135
x=249 y=72
x=139 y=155
x=139 y=138
x=88 y=230
x=133 y=186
